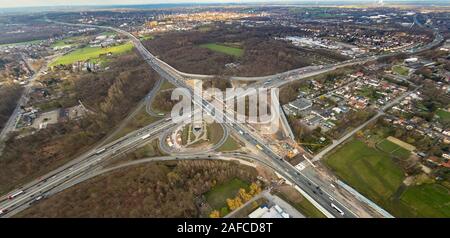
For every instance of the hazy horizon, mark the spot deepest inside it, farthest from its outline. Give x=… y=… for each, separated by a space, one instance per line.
x=65 y=3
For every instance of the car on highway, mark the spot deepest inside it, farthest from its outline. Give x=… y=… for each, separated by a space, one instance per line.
x=100 y=151
x=38 y=198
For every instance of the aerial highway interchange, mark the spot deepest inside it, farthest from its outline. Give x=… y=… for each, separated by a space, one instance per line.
x=318 y=191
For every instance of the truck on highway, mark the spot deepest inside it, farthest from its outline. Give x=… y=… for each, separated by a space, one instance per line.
x=337 y=209
x=145 y=136
x=12 y=196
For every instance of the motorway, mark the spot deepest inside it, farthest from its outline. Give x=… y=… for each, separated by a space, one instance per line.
x=33 y=190
x=85 y=162
x=95 y=168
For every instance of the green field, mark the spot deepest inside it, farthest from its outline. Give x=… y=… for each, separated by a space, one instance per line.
x=214 y=132
x=108 y=33
x=91 y=53
x=61 y=43
x=166 y=85
x=398 y=69
x=146 y=37
x=370 y=92
x=373 y=174
x=393 y=149
x=217 y=196
x=22 y=43
x=70 y=41
x=150 y=149
x=428 y=200
x=369 y=171
x=230 y=144
x=443 y=115
x=224 y=49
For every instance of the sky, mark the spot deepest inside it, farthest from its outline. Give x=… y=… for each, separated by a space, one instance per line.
x=34 y=3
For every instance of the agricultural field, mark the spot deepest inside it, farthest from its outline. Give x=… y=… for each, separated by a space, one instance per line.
x=224 y=49
x=91 y=53
x=428 y=200
x=374 y=174
x=369 y=171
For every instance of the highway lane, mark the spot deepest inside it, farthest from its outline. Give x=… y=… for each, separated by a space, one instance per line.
x=151 y=96
x=290 y=172
x=71 y=180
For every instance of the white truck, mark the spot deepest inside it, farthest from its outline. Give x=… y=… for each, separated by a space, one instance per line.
x=12 y=196
x=337 y=209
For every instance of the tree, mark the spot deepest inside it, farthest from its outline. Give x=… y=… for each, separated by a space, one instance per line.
x=359 y=134
x=214 y=214
x=244 y=195
x=255 y=189
x=231 y=204
x=234 y=204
